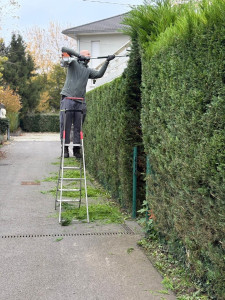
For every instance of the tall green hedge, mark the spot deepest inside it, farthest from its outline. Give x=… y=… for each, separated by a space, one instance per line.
x=183 y=120
x=112 y=128
x=108 y=157
x=40 y=123
x=4 y=124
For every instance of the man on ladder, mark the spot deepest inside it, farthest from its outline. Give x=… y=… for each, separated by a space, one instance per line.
x=73 y=93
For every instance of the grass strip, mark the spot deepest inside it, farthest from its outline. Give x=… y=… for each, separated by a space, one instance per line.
x=105 y=212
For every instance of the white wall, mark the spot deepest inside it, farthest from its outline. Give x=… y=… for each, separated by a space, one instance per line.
x=109 y=43
x=114 y=70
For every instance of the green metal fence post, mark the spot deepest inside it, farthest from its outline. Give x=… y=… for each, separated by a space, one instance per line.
x=134 y=208
x=148 y=171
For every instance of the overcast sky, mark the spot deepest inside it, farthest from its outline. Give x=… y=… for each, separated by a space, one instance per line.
x=68 y=13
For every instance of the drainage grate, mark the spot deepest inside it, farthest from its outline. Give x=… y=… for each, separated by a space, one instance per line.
x=128 y=231
x=64 y=234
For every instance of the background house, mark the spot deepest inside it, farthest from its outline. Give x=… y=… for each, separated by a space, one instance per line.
x=102 y=38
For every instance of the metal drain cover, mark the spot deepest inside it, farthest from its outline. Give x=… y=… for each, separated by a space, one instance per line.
x=124 y=230
x=64 y=235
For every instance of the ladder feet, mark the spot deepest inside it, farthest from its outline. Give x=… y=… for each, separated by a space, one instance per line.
x=65 y=222
x=66 y=152
x=76 y=152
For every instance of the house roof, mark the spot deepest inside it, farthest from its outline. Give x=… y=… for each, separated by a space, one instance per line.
x=109 y=25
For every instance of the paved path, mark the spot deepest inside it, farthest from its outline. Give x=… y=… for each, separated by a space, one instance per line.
x=40 y=259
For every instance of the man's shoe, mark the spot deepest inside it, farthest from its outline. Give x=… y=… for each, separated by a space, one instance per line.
x=76 y=152
x=66 y=152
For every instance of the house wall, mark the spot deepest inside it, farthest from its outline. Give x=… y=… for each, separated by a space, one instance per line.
x=115 y=68
x=108 y=43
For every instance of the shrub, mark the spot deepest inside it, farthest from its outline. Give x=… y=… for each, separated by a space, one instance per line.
x=184 y=136
x=40 y=123
x=4 y=124
x=112 y=129
x=109 y=155
x=183 y=108
x=10 y=99
x=14 y=120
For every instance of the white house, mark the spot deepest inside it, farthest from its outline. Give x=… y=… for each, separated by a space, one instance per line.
x=2 y=111
x=103 y=38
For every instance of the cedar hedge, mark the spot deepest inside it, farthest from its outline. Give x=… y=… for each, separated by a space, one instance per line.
x=108 y=158
x=112 y=128
x=183 y=127
x=40 y=123
x=183 y=121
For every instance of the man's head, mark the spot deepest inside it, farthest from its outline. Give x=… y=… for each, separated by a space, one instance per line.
x=85 y=53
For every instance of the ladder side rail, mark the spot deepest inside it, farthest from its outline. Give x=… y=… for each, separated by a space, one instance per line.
x=83 y=162
x=80 y=182
x=59 y=178
x=85 y=179
x=81 y=146
x=62 y=171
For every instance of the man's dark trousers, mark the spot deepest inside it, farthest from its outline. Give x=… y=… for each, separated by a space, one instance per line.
x=72 y=117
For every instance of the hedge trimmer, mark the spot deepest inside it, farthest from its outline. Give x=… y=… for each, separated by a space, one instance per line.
x=67 y=59
x=100 y=57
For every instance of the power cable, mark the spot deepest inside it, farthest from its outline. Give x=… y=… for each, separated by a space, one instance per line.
x=106 y=2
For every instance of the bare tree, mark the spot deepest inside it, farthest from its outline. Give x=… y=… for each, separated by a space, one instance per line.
x=45 y=45
x=8 y=8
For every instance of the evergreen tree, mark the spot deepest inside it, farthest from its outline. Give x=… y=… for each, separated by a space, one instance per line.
x=19 y=73
x=3 y=59
x=3 y=48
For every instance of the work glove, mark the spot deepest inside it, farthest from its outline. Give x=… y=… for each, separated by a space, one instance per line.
x=66 y=60
x=110 y=57
x=83 y=58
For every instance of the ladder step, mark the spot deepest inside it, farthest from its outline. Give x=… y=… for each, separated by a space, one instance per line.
x=69 y=190
x=71 y=168
x=69 y=200
x=74 y=145
x=71 y=179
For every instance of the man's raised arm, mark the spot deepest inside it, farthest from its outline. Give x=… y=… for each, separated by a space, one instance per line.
x=98 y=74
x=70 y=51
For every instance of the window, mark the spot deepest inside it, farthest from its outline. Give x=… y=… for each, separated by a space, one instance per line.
x=95 y=45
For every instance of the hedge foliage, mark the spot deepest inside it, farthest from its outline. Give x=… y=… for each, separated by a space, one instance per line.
x=183 y=121
x=183 y=128
x=4 y=124
x=112 y=129
x=40 y=123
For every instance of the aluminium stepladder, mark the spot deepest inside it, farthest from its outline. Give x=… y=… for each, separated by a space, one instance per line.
x=63 y=180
